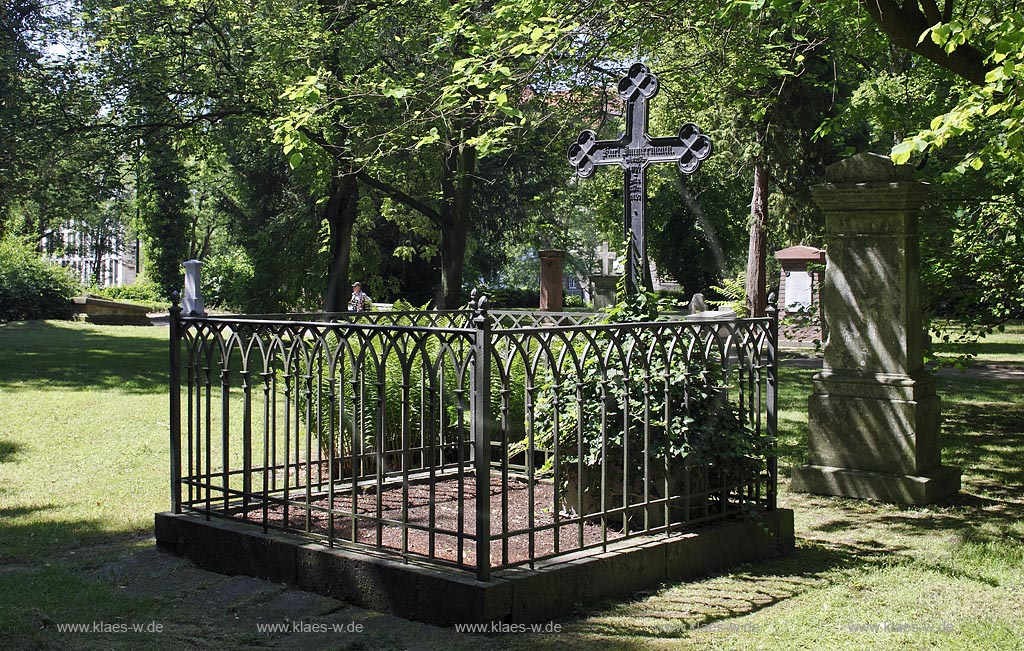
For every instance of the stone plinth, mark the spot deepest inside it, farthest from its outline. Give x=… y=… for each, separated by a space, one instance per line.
x=446 y=596
x=873 y=416
x=551 y=263
x=602 y=290
x=94 y=309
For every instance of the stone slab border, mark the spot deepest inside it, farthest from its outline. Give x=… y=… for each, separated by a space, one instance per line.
x=446 y=597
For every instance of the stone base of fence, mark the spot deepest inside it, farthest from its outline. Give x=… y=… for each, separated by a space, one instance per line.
x=447 y=597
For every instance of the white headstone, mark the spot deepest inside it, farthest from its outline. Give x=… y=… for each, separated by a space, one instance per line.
x=798 y=289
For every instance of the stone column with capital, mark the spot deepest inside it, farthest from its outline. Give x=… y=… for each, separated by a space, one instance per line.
x=874 y=415
x=551 y=264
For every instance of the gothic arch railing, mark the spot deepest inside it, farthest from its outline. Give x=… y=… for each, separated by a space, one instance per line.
x=483 y=440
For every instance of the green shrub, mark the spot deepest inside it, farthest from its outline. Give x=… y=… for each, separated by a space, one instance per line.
x=503 y=298
x=574 y=300
x=615 y=399
x=734 y=294
x=32 y=287
x=227 y=280
x=144 y=291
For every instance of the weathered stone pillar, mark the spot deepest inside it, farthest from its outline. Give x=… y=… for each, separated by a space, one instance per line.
x=873 y=416
x=551 y=263
x=192 y=301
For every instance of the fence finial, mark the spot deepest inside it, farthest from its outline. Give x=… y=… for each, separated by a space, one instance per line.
x=478 y=304
x=175 y=301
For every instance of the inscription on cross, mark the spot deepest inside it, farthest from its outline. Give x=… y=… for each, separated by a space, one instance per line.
x=633 y=152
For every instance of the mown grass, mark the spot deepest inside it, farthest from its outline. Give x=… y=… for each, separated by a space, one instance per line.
x=1004 y=348
x=83 y=466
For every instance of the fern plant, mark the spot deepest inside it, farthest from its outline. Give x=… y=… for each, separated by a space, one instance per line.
x=734 y=292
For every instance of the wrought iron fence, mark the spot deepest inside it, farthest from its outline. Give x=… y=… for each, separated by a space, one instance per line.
x=475 y=439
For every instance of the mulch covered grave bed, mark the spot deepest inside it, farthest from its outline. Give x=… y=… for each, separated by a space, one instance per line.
x=446 y=517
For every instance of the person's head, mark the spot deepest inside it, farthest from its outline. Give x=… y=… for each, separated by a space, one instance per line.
x=356 y=288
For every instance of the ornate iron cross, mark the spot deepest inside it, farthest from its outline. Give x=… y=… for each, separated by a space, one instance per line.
x=634 y=151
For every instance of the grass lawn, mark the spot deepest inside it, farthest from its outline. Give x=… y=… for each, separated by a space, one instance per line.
x=83 y=466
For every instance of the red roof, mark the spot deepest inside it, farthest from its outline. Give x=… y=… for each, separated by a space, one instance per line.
x=801 y=253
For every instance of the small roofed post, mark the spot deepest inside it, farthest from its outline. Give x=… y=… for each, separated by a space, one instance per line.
x=551 y=263
x=633 y=152
x=192 y=302
x=798 y=281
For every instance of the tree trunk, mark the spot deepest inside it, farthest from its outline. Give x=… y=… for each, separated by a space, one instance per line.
x=340 y=213
x=453 y=257
x=757 y=282
x=458 y=168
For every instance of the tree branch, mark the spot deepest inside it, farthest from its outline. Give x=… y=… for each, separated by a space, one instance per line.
x=401 y=197
x=931 y=11
x=904 y=23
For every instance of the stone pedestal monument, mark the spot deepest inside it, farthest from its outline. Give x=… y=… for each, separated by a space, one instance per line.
x=873 y=416
x=551 y=263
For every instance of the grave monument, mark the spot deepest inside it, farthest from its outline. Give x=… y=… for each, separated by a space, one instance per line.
x=873 y=417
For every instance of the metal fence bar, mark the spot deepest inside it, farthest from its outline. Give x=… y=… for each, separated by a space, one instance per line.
x=772 y=416
x=481 y=436
x=175 y=404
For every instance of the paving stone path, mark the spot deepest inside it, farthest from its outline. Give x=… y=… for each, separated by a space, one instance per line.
x=206 y=610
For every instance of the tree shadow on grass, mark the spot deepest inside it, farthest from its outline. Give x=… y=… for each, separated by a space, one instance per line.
x=8 y=450
x=984 y=437
x=25 y=538
x=987 y=441
x=41 y=355
x=982 y=347
x=680 y=609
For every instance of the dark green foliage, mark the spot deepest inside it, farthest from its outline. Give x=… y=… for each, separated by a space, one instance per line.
x=227 y=280
x=277 y=225
x=143 y=291
x=501 y=298
x=163 y=197
x=31 y=287
x=627 y=414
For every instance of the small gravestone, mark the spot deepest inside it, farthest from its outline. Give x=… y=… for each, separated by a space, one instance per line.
x=192 y=300
x=873 y=416
x=798 y=281
x=697 y=304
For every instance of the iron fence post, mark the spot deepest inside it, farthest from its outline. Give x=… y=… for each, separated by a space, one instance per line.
x=772 y=407
x=175 y=402
x=481 y=404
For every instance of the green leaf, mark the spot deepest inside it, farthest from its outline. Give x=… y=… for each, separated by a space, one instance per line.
x=900 y=154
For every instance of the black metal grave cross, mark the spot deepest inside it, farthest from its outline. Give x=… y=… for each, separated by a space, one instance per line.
x=634 y=151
